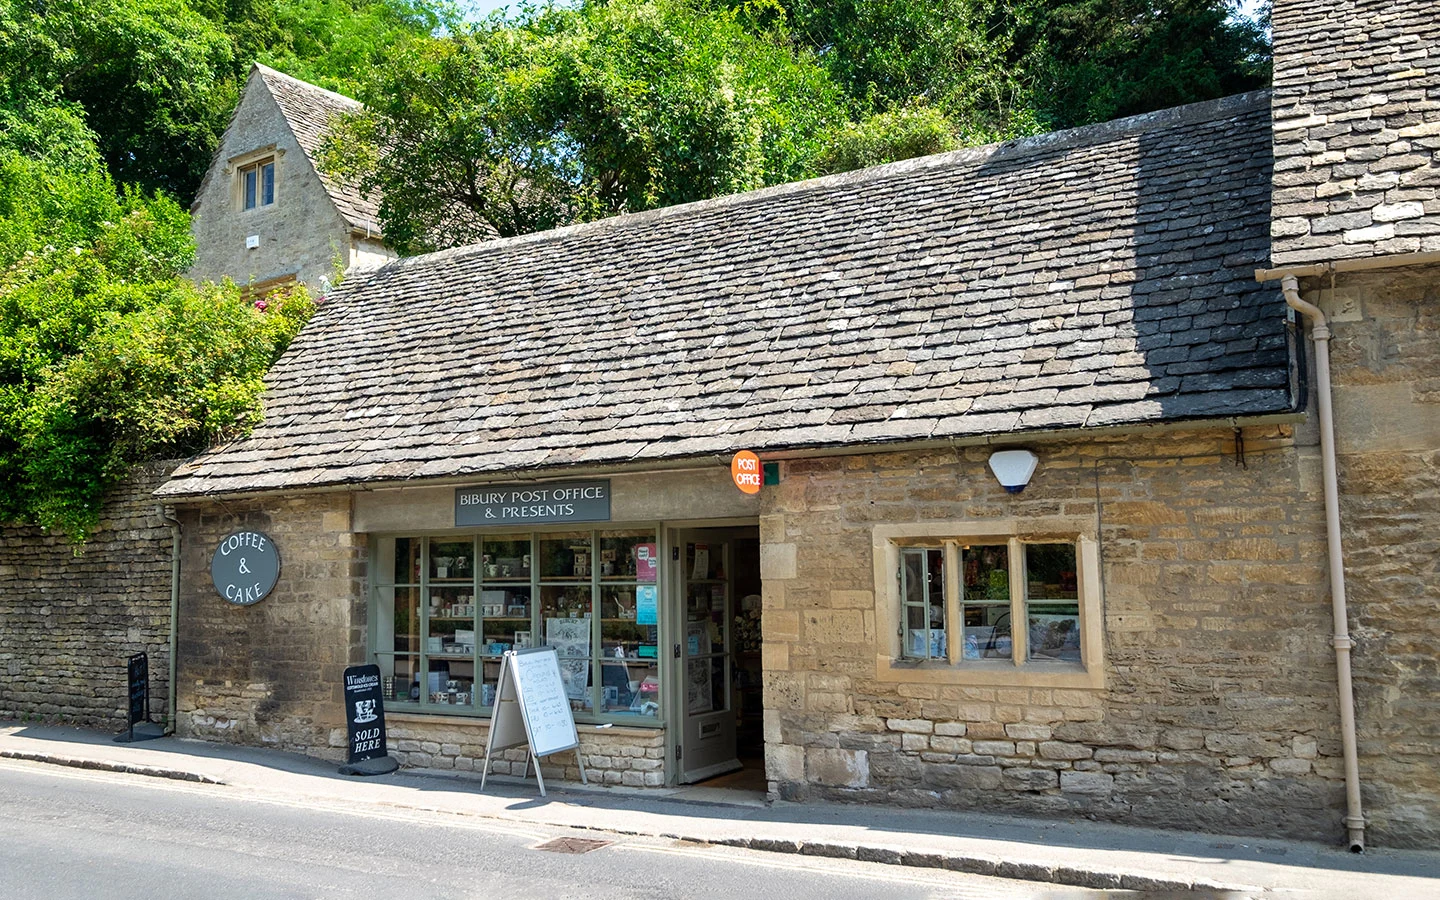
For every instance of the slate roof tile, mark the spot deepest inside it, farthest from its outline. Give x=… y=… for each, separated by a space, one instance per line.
x=1343 y=144
x=309 y=111
x=1070 y=281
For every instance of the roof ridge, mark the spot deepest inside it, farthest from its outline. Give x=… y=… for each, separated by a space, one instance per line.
x=266 y=71
x=1082 y=135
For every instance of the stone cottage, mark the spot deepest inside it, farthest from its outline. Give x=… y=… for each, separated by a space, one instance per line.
x=265 y=215
x=1099 y=475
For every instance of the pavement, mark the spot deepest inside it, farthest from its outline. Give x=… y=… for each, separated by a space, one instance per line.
x=1078 y=853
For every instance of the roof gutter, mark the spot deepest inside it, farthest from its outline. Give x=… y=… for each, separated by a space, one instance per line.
x=709 y=459
x=1369 y=263
x=1320 y=334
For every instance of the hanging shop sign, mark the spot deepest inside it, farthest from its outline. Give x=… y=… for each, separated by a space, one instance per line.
x=245 y=567
x=745 y=471
x=533 y=504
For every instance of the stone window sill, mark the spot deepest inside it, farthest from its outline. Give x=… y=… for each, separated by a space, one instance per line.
x=989 y=673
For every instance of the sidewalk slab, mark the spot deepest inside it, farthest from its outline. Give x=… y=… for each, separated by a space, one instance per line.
x=1079 y=853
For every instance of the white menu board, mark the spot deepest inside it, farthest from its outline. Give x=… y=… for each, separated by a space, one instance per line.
x=543 y=701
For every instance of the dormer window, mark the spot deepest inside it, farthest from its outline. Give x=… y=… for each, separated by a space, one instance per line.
x=257 y=183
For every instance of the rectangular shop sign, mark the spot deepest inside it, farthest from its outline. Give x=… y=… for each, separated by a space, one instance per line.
x=646 y=563
x=533 y=504
x=647 y=605
x=364 y=713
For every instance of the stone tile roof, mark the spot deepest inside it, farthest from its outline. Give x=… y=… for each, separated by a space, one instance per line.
x=1357 y=129
x=308 y=110
x=1096 y=277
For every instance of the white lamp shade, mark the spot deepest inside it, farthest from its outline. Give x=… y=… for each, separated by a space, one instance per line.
x=1013 y=468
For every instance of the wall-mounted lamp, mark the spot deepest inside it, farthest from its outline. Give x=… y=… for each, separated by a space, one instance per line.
x=1013 y=468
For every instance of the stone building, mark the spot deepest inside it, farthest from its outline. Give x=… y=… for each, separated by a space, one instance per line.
x=265 y=215
x=527 y=441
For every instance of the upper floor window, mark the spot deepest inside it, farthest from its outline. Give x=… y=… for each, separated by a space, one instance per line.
x=257 y=183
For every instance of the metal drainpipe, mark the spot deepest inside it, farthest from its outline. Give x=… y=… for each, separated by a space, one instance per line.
x=170 y=702
x=1320 y=334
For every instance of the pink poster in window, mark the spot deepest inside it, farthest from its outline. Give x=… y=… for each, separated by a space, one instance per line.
x=645 y=562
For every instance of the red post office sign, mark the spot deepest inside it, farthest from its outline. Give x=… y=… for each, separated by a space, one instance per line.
x=745 y=470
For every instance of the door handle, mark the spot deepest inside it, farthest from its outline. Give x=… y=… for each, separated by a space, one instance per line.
x=677 y=651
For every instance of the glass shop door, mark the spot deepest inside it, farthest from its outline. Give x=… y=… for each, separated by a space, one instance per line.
x=706 y=711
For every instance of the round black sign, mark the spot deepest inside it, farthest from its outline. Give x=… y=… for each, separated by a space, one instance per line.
x=245 y=567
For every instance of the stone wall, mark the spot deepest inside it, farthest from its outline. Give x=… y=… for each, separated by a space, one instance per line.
x=300 y=233
x=1217 y=708
x=1385 y=360
x=68 y=621
x=633 y=757
x=271 y=674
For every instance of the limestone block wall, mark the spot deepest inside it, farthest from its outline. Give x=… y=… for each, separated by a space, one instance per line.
x=633 y=757
x=1217 y=706
x=1385 y=359
x=69 y=621
x=300 y=234
x=271 y=674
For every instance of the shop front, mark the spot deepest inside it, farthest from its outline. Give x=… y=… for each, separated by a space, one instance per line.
x=653 y=610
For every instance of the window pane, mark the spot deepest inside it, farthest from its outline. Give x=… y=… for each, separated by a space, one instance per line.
x=451 y=683
x=450 y=560
x=566 y=611
x=403 y=684
x=267 y=178
x=985 y=602
x=1050 y=572
x=506 y=618
x=565 y=557
x=923 y=590
x=407 y=561
x=1054 y=627
x=987 y=630
x=505 y=558
x=705 y=685
x=620 y=555
x=404 y=618
x=987 y=573
x=249 y=178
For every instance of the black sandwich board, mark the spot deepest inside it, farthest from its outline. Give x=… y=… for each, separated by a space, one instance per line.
x=365 y=724
x=137 y=678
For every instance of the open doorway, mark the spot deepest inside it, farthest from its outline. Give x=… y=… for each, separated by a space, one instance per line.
x=722 y=740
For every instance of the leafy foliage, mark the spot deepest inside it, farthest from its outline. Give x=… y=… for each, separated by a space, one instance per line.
x=156 y=80
x=108 y=356
x=903 y=132
x=572 y=115
x=1001 y=68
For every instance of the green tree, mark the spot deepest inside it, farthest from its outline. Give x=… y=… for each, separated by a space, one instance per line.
x=1001 y=68
x=108 y=357
x=572 y=115
x=150 y=76
x=155 y=81
x=903 y=132
x=1093 y=60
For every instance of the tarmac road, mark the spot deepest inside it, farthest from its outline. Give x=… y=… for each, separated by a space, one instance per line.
x=67 y=833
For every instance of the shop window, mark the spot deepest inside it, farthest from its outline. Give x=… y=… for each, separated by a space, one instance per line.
x=445 y=610
x=257 y=183
x=989 y=608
